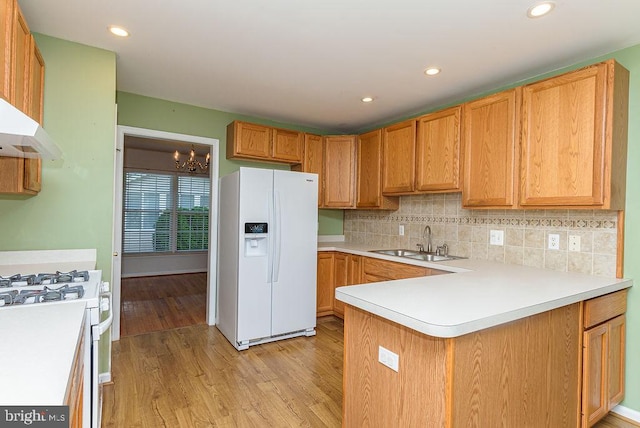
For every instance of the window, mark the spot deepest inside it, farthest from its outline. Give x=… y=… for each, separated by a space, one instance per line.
x=165 y=213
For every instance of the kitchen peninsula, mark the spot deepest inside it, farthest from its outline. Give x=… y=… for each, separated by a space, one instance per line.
x=487 y=345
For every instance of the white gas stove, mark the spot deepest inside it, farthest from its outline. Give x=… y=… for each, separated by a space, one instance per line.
x=23 y=283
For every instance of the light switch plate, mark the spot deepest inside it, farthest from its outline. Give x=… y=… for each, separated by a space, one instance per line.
x=401 y=230
x=496 y=237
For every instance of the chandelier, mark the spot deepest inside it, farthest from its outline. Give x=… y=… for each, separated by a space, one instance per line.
x=191 y=164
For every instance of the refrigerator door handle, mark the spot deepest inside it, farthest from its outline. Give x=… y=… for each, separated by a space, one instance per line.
x=270 y=239
x=278 y=238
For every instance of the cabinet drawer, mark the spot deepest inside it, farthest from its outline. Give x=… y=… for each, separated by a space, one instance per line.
x=392 y=270
x=603 y=308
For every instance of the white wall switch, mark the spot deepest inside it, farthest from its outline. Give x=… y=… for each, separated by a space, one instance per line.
x=496 y=237
x=554 y=241
x=401 y=230
x=388 y=358
x=574 y=242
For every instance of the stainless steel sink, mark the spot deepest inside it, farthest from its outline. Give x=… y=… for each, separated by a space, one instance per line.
x=398 y=253
x=417 y=255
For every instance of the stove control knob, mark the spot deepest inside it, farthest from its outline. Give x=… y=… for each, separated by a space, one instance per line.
x=104 y=287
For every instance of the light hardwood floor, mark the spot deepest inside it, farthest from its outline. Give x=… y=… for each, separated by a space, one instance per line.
x=192 y=377
x=156 y=303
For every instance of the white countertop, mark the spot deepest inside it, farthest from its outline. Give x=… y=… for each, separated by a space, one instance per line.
x=476 y=295
x=37 y=351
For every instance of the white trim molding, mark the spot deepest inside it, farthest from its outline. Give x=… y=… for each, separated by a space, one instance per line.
x=626 y=412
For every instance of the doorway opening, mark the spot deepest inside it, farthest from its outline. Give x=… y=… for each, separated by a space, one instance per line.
x=165 y=232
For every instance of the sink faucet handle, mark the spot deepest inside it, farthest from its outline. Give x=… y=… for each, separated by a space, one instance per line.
x=442 y=250
x=420 y=247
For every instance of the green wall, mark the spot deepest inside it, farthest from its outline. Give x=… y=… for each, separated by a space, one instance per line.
x=152 y=113
x=74 y=208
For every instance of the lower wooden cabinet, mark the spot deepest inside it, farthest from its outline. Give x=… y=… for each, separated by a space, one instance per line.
x=325 y=287
x=336 y=269
x=603 y=356
x=74 y=396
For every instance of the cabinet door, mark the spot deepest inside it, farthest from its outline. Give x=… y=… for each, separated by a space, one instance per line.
x=563 y=139
x=36 y=82
x=287 y=145
x=369 y=180
x=6 y=32
x=438 y=151
x=339 y=171
x=354 y=269
x=312 y=161
x=617 y=342
x=325 y=281
x=20 y=63
x=398 y=157
x=341 y=279
x=594 y=381
x=33 y=167
x=489 y=150
x=248 y=140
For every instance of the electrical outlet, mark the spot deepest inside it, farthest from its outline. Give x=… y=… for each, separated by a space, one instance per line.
x=388 y=358
x=401 y=230
x=554 y=241
x=574 y=242
x=496 y=237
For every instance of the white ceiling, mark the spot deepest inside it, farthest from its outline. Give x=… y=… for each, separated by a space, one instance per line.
x=309 y=62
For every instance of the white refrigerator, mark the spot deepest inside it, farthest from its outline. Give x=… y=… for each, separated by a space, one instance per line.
x=267 y=246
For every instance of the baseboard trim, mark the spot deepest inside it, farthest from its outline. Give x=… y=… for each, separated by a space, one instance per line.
x=161 y=273
x=628 y=413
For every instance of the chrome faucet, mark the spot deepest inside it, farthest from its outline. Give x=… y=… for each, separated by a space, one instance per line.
x=427 y=231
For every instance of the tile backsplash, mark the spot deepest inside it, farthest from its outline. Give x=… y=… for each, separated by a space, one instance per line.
x=466 y=232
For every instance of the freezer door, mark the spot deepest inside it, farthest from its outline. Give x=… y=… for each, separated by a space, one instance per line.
x=254 y=284
x=294 y=255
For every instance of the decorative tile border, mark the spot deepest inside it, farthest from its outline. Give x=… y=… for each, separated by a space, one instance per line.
x=577 y=223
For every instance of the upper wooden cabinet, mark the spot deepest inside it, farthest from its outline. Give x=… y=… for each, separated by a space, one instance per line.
x=574 y=139
x=369 y=174
x=6 y=38
x=333 y=158
x=398 y=157
x=258 y=142
x=423 y=155
x=22 y=84
x=313 y=161
x=438 y=151
x=339 y=171
x=490 y=150
x=21 y=56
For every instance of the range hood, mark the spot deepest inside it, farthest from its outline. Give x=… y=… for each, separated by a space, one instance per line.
x=23 y=137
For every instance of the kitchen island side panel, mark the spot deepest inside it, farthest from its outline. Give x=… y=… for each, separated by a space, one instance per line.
x=524 y=373
x=521 y=374
x=375 y=395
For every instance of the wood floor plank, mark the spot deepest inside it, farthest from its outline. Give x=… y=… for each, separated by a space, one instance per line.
x=162 y=302
x=192 y=377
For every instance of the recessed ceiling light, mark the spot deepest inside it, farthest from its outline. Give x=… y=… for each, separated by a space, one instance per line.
x=118 y=31
x=367 y=99
x=540 y=9
x=432 y=71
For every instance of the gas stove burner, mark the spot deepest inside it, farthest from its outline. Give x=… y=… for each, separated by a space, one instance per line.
x=47 y=294
x=17 y=279
x=8 y=297
x=44 y=279
x=66 y=292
